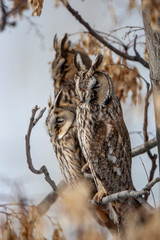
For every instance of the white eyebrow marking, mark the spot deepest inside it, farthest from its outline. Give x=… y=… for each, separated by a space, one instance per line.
x=92 y=82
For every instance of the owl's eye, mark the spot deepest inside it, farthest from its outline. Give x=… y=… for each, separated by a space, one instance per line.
x=60 y=120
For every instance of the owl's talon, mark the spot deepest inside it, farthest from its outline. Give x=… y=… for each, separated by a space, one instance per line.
x=98 y=196
x=85 y=168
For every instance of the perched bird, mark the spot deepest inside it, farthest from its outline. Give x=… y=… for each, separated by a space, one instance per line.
x=60 y=121
x=103 y=135
x=62 y=129
x=63 y=134
x=62 y=125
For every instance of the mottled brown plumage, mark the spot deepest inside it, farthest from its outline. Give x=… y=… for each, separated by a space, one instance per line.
x=61 y=126
x=63 y=134
x=102 y=132
x=63 y=69
x=103 y=135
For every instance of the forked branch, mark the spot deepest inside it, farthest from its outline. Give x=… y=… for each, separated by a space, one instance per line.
x=7 y=14
x=135 y=57
x=43 y=169
x=152 y=157
x=144 y=147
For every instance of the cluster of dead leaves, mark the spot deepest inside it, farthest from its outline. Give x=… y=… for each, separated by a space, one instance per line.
x=37 y=6
x=26 y=224
x=76 y=222
x=21 y=6
x=126 y=79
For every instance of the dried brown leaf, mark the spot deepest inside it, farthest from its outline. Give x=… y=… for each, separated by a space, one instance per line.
x=37 y=6
x=21 y=9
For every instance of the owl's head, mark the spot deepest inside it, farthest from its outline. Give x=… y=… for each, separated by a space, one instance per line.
x=60 y=119
x=63 y=69
x=92 y=85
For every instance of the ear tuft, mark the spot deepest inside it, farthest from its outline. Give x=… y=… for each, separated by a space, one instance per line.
x=50 y=101
x=63 y=41
x=97 y=62
x=78 y=62
x=55 y=42
x=58 y=99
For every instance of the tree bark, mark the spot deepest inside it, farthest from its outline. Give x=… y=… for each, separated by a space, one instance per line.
x=153 y=48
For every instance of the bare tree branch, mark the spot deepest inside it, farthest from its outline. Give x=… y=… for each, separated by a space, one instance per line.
x=136 y=58
x=130 y=193
x=43 y=169
x=5 y=14
x=145 y=133
x=153 y=49
x=123 y=196
x=51 y=198
x=144 y=147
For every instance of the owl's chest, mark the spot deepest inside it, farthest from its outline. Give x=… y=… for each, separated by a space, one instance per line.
x=70 y=159
x=67 y=145
x=86 y=119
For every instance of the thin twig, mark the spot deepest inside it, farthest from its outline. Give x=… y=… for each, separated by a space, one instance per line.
x=151 y=184
x=43 y=169
x=5 y=14
x=134 y=46
x=131 y=43
x=144 y=147
x=51 y=198
x=136 y=57
x=137 y=28
x=14 y=10
x=148 y=181
x=120 y=42
x=124 y=195
x=145 y=134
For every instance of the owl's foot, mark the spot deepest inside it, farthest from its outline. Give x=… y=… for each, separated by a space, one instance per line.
x=98 y=196
x=85 y=168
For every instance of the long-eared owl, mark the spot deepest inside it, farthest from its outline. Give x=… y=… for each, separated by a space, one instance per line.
x=61 y=124
x=102 y=133
x=63 y=135
x=60 y=121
